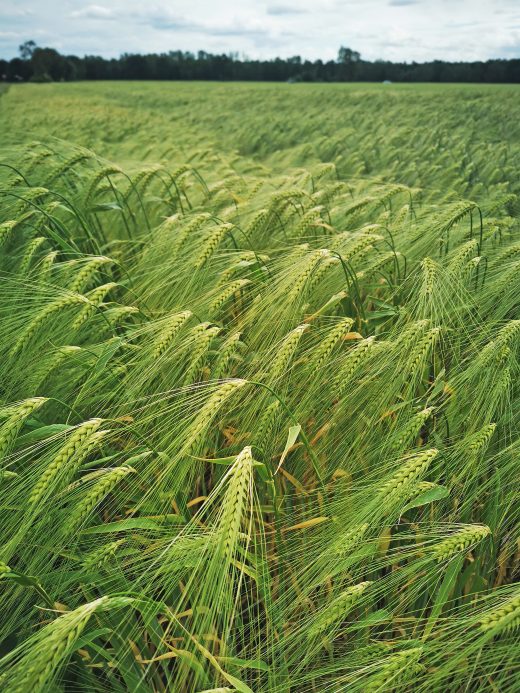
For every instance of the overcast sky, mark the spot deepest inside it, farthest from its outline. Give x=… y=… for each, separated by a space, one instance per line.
x=390 y=29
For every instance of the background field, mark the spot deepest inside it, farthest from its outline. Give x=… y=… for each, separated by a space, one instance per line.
x=259 y=387
x=395 y=132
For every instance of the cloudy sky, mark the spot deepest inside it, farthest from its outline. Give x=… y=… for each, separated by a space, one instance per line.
x=391 y=29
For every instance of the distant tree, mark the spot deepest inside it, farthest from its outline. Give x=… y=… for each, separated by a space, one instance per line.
x=19 y=70
x=346 y=56
x=48 y=64
x=349 y=61
x=44 y=64
x=135 y=66
x=27 y=49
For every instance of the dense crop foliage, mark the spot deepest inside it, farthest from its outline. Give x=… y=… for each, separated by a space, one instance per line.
x=259 y=388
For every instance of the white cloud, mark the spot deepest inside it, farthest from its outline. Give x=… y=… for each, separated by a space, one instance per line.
x=93 y=12
x=235 y=27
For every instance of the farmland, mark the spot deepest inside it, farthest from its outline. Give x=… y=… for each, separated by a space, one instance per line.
x=259 y=403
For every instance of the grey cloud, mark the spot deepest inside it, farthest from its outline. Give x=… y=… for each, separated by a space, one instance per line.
x=510 y=48
x=512 y=51
x=281 y=10
x=16 y=14
x=466 y=25
x=403 y=3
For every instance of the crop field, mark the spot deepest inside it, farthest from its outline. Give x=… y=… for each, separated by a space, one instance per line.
x=259 y=395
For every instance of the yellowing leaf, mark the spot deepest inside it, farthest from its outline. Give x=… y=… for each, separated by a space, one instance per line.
x=294 y=432
x=385 y=539
x=306 y=524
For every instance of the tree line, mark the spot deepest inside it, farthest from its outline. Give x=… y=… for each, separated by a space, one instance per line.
x=46 y=64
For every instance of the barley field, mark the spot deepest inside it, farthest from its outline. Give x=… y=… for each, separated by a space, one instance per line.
x=259 y=396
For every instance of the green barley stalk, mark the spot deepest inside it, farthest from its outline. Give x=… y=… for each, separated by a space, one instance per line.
x=460 y=541
x=78 y=446
x=505 y=618
x=17 y=414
